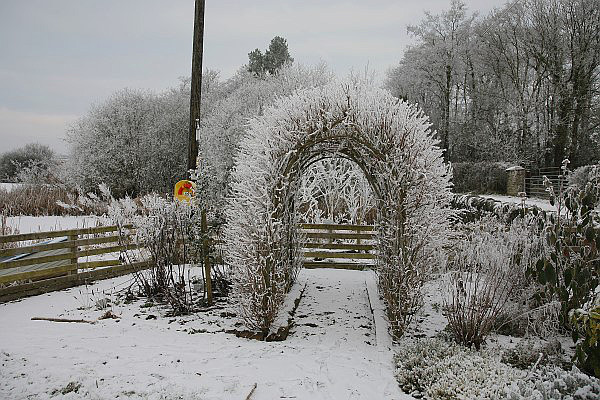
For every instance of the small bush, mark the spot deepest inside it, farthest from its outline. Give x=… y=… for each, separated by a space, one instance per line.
x=435 y=369
x=480 y=177
x=166 y=231
x=554 y=383
x=441 y=370
x=528 y=353
x=580 y=177
x=488 y=271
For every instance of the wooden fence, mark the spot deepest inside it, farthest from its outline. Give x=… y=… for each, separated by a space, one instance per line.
x=36 y=263
x=338 y=246
x=28 y=268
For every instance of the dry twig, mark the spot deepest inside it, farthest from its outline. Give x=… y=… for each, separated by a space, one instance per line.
x=82 y=321
x=251 y=392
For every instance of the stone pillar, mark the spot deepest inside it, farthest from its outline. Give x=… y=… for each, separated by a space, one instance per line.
x=516 y=180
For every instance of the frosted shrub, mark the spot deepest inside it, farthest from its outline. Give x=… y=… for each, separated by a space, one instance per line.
x=580 y=177
x=391 y=143
x=526 y=313
x=554 y=383
x=94 y=203
x=488 y=271
x=165 y=230
x=528 y=353
x=441 y=370
x=435 y=369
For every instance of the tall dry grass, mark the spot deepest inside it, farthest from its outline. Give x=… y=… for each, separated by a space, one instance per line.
x=6 y=229
x=35 y=200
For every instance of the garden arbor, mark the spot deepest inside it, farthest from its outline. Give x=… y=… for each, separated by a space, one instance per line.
x=389 y=140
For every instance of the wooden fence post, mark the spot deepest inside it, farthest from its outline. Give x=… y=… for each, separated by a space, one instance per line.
x=74 y=251
x=205 y=247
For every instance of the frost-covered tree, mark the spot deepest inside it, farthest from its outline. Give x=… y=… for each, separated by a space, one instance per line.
x=31 y=156
x=108 y=144
x=135 y=141
x=391 y=143
x=520 y=83
x=240 y=98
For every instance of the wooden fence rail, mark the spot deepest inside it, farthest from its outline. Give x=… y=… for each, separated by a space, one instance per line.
x=55 y=264
x=327 y=244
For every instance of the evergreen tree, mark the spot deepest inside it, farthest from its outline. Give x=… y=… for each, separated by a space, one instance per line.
x=256 y=62
x=275 y=57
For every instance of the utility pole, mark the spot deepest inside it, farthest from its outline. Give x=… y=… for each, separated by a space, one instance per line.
x=196 y=94
x=194 y=130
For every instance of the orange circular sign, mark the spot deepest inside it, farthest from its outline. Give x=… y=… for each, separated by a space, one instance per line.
x=184 y=190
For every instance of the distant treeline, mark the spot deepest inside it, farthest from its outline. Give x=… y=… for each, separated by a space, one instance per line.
x=518 y=84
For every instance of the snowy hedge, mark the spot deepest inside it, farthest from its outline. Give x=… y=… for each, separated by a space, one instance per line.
x=392 y=144
x=480 y=177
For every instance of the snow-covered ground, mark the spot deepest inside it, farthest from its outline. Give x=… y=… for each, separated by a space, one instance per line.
x=28 y=224
x=8 y=186
x=532 y=201
x=332 y=352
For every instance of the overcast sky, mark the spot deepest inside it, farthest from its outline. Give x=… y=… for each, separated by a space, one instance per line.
x=58 y=57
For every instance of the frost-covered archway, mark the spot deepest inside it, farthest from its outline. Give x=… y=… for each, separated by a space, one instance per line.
x=389 y=140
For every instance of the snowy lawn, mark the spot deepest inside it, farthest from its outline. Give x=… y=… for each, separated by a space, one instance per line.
x=29 y=224
x=330 y=354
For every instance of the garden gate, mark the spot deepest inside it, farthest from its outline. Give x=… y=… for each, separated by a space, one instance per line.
x=327 y=244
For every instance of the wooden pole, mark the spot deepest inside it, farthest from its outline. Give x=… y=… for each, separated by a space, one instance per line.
x=195 y=95
x=74 y=257
x=207 y=278
x=195 y=101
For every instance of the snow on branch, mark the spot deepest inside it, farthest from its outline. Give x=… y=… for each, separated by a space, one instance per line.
x=389 y=140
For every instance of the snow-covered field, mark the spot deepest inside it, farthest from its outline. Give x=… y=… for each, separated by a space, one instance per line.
x=28 y=224
x=332 y=352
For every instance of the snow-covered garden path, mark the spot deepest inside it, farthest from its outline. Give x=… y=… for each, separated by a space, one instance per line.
x=334 y=310
x=331 y=353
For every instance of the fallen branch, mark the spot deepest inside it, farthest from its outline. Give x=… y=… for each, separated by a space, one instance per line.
x=251 y=392
x=81 y=321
